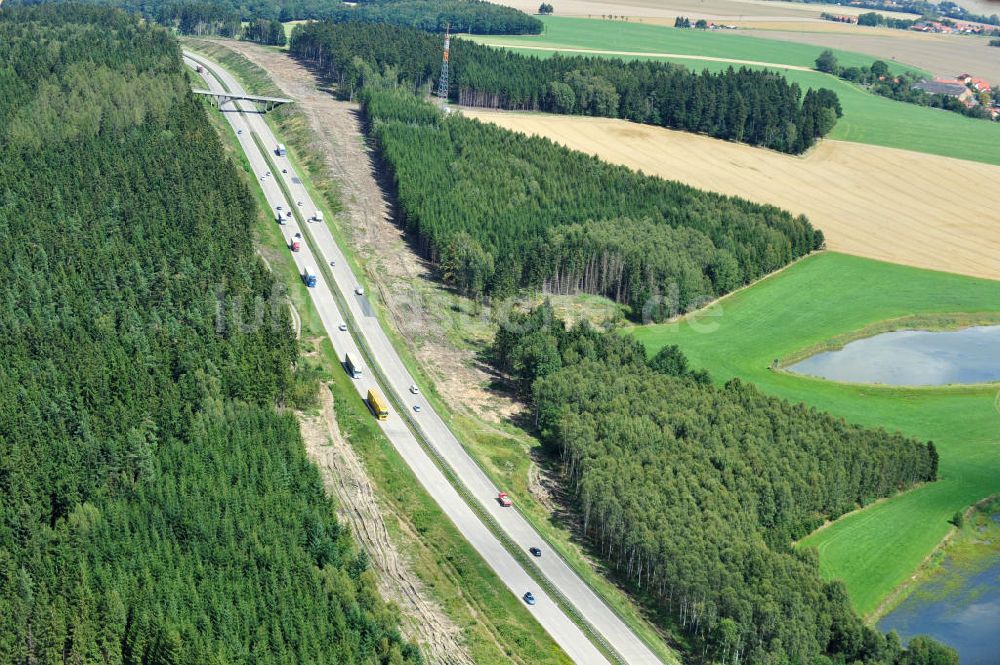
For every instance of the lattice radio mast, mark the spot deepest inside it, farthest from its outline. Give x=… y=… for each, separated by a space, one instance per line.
x=442 y=90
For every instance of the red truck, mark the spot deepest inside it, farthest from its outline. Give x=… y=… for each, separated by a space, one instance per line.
x=296 y=242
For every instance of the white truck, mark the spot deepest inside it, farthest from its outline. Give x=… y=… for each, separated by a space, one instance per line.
x=309 y=276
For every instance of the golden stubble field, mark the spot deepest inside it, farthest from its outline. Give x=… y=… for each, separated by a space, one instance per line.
x=882 y=203
x=718 y=10
x=943 y=55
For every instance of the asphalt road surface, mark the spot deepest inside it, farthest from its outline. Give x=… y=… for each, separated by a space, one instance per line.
x=601 y=619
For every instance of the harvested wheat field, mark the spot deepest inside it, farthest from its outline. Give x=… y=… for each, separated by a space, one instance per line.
x=882 y=203
x=716 y=10
x=942 y=55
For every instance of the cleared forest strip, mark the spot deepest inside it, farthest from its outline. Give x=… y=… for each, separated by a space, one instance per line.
x=403 y=280
x=882 y=203
x=344 y=476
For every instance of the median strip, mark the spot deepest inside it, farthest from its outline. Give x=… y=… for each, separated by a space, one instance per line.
x=484 y=517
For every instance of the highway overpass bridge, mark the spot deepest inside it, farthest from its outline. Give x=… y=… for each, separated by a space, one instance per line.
x=263 y=104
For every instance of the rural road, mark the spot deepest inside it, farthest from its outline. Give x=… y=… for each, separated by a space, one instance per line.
x=648 y=54
x=364 y=323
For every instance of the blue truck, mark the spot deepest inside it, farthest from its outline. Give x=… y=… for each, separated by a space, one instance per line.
x=309 y=276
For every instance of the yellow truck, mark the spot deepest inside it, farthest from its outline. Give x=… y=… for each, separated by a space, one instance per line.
x=377 y=404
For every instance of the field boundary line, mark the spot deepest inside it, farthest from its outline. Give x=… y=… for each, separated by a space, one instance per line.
x=653 y=54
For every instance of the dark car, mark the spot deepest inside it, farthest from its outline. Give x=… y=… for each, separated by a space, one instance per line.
x=529 y=598
x=535 y=551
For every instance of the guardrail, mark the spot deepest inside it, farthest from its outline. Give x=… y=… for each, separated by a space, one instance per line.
x=424 y=441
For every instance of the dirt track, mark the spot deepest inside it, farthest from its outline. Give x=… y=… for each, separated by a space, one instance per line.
x=344 y=477
x=944 y=55
x=678 y=56
x=882 y=203
x=717 y=10
x=423 y=312
x=367 y=217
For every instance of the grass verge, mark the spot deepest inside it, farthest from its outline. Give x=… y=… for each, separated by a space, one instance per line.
x=486 y=443
x=967 y=550
x=513 y=548
x=831 y=296
x=495 y=625
x=933 y=322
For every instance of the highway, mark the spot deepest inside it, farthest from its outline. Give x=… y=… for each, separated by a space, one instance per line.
x=363 y=322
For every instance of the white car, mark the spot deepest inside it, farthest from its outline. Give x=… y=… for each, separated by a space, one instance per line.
x=280 y=208
x=333 y=263
x=284 y=170
x=262 y=178
x=360 y=291
x=416 y=408
x=268 y=174
x=414 y=390
x=239 y=131
x=298 y=203
x=342 y=327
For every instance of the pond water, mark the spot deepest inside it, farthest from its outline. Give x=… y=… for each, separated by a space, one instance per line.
x=963 y=613
x=912 y=358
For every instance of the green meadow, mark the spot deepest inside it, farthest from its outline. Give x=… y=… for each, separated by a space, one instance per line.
x=830 y=296
x=867 y=118
x=646 y=37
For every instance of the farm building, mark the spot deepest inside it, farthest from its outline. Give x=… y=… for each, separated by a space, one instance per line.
x=979 y=84
x=949 y=88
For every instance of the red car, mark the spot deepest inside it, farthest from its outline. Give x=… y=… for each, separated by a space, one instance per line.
x=504 y=500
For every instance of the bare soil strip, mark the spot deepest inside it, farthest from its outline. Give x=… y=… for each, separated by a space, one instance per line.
x=425 y=314
x=344 y=477
x=882 y=203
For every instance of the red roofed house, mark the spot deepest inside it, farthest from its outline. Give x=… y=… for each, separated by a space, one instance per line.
x=979 y=84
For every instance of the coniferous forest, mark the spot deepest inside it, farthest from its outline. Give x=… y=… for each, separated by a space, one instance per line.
x=469 y=16
x=498 y=211
x=757 y=107
x=155 y=506
x=223 y=17
x=694 y=493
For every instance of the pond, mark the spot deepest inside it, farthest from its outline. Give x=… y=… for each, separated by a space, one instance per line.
x=912 y=358
x=960 y=610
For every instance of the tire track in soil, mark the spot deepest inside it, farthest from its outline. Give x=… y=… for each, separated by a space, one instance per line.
x=344 y=477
